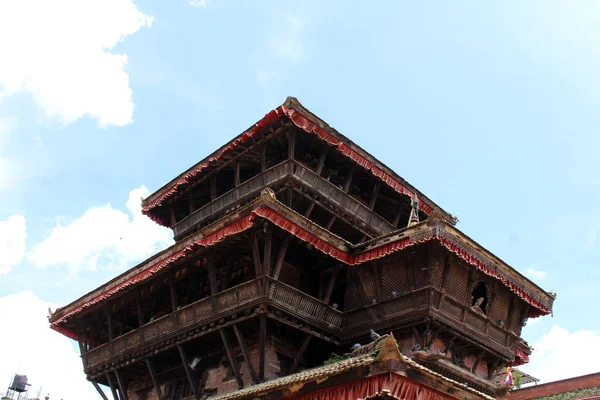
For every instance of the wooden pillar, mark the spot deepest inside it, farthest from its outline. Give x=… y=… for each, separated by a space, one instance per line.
x=188 y=371
x=330 y=223
x=309 y=210
x=374 y=195
x=172 y=290
x=191 y=201
x=321 y=163
x=377 y=279
x=445 y=273
x=397 y=216
x=213 y=188
x=263 y=158
x=266 y=267
x=236 y=173
x=138 y=305
x=122 y=387
x=262 y=342
x=99 y=390
x=349 y=179
x=227 y=274
x=245 y=352
x=154 y=378
x=172 y=216
x=468 y=296
x=300 y=353
x=109 y=321
x=258 y=270
x=281 y=257
x=111 y=384
x=291 y=143
x=331 y=285
x=231 y=357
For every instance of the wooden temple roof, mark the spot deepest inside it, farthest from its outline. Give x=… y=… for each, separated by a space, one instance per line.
x=310 y=123
x=383 y=358
x=267 y=207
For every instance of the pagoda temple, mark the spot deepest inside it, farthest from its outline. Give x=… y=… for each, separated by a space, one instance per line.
x=303 y=268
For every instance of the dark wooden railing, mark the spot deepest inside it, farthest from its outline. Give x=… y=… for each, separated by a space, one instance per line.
x=341 y=199
x=230 y=301
x=247 y=189
x=253 y=186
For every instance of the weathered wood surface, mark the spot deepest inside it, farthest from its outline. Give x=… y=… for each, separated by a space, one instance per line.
x=210 y=308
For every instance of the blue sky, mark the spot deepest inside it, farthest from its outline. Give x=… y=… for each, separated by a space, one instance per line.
x=490 y=108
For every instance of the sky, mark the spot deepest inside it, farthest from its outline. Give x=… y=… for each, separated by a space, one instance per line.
x=489 y=108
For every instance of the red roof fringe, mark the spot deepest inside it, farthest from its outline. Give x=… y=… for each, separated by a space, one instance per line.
x=235 y=227
x=295 y=229
x=396 y=385
x=302 y=122
x=520 y=358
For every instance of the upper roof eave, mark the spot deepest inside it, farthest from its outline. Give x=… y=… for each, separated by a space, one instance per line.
x=291 y=103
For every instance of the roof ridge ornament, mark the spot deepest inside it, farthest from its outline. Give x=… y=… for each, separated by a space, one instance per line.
x=414 y=212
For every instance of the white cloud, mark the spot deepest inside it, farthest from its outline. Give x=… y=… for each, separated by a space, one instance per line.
x=12 y=242
x=30 y=348
x=560 y=354
x=535 y=274
x=60 y=52
x=8 y=166
x=103 y=237
x=198 y=3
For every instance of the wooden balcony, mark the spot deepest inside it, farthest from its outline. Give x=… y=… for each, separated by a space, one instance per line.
x=341 y=199
x=287 y=169
x=246 y=190
x=189 y=318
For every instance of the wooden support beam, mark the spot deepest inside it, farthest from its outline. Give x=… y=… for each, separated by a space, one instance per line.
x=445 y=272
x=374 y=195
x=188 y=371
x=267 y=250
x=99 y=390
x=86 y=347
x=331 y=285
x=172 y=290
x=122 y=387
x=261 y=347
x=397 y=217
x=109 y=321
x=348 y=182
x=256 y=255
x=111 y=384
x=281 y=257
x=213 y=187
x=291 y=143
x=212 y=278
x=245 y=352
x=172 y=215
x=231 y=357
x=492 y=368
x=322 y=160
x=377 y=278
x=138 y=305
x=300 y=353
x=467 y=299
x=227 y=273
x=263 y=158
x=236 y=173
x=477 y=361
x=330 y=223
x=154 y=378
x=309 y=210
x=289 y=199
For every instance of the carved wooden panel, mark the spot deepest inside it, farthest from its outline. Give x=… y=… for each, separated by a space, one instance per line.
x=457 y=278
x=394 y=278
x=475 y=321
x=367 y=282
x=451 y=308
x=500 y=305
x=497 y=334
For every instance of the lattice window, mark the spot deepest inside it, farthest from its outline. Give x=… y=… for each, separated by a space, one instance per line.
x=457 y=280
x=394 y=278
x=500 y=305
x=367 y=281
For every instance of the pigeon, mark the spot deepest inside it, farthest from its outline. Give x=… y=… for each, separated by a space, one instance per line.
x=374 y=335
x=194 y=363
x=500 y=322
x=395 y=293
x=334 y=306
x=355 y=347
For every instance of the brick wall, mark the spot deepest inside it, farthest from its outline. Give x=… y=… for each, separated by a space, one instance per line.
x=550 y=388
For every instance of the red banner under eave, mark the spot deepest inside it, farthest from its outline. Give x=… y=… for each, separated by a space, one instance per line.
x=520 y=358
x=393 y=384
x=302 y=122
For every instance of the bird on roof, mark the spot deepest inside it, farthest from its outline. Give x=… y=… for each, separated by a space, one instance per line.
x=194 y=363
x=374 y=335
x=355 y=347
